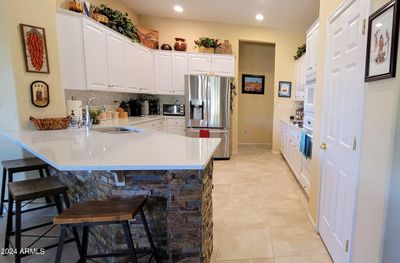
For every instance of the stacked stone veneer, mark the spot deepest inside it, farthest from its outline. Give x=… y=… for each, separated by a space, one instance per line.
x=179 y=210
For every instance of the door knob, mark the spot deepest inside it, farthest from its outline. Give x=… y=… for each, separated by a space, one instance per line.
x=323 y=146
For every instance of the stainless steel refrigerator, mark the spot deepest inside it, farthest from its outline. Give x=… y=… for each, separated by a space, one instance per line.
x=208 y=108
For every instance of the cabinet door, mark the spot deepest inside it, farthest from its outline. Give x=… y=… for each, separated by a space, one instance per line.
x=162 y=64
x=115 y=55
x=95 y=47
x=223 y=65
x=179 y=70
x=148 y=77
x=132 y=67
x=72 y=64
x=199 y=64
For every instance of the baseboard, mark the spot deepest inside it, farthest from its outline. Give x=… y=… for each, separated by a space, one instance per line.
x=314 y=225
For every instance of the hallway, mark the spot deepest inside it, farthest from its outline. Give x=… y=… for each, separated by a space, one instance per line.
x=259 y=212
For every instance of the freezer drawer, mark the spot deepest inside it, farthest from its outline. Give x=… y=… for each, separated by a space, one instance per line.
x=224 y=150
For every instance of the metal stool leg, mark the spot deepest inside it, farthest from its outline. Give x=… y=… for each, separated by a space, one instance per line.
x=147 y=229
x=17 y=231
x=3 y=191
x=85 y=242
x=61 y=243
x=129 y=241
x=9 y=221
x=48 y=200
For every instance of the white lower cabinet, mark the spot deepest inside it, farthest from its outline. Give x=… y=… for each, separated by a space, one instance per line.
x=156 y=125
x=290 y=150
x=175 y=125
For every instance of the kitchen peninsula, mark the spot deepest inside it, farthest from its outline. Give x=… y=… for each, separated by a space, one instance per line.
x=174 y=171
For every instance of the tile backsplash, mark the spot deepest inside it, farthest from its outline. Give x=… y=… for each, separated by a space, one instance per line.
x=112 y=99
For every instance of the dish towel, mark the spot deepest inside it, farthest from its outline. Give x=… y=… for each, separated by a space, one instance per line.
x=308 y=147
x=302 y=147
x=204 y=134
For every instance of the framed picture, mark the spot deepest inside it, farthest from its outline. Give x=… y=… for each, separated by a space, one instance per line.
x=35 y=49
x=253 y=84
x=285 y=89
x=382 y=43
x=40 y=94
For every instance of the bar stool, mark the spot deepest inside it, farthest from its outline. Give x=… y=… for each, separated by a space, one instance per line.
x=90 y=213
x=32 y=189
x=11 y=167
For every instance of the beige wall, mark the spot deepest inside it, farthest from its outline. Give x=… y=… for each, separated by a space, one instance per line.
x=116 y=4
x=255 y=118
x=286 y=43
x=380 y=112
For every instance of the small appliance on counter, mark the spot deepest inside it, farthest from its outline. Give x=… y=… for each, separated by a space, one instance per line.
x=145 y=108
x=135 y=108
x=174 y=109
x=154 y=107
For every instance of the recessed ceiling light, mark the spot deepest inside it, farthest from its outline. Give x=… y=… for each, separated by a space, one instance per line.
x=178 y=9
x=259 y=17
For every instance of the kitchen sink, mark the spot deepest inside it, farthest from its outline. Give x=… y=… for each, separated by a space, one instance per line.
x=117 y=130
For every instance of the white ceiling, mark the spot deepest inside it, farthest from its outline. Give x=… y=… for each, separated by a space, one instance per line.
x=284 y=14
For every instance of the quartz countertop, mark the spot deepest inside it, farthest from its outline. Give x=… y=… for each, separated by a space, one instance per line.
x=291 y=124
x=75 y=149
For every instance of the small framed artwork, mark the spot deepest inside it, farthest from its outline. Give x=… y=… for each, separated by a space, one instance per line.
x=35 y=49
x=285 y=89
x=382 y=43
x=253 y=84
x=40 y=94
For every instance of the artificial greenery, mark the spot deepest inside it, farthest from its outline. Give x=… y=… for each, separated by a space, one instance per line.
x=94 y=116
x=118 y=21
x=300 y=52
x=207 y=42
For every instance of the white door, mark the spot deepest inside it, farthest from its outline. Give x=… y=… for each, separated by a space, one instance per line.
x=162 y=65
x=179 y=70
x=132 y=67
x=72 y=64
x=223 y=65
x=342 y=127
x=95 y=46
x=115 y=55
x=199 y=64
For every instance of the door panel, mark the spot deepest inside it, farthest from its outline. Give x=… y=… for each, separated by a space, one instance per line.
x=218 y=102
x=94 y=39
x=179 y=70
x=163 y=72
x=115 y=55
x=341 y=126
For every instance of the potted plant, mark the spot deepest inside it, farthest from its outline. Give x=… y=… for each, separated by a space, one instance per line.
x=300 y=52
x=206 y=44
x=116 y=20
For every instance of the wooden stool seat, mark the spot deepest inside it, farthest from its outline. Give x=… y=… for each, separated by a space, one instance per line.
x=36 y=188
x=101 y=211
x=22 y=165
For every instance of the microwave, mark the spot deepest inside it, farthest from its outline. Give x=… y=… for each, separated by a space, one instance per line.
x=174 y=109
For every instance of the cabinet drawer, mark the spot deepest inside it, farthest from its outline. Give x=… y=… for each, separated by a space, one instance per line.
x=152 y=125
x=176 y=122
x=306 y=163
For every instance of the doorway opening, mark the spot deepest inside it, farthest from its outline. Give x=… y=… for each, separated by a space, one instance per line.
x=256 y=106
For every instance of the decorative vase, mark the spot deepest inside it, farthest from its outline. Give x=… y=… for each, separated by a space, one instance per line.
x=180 y=44
x=166 y=47
x=206 y=49
x=224 y=48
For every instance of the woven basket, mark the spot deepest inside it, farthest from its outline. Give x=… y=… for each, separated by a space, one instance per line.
x=75 y=6
x=50 y=123
x=206 y=49
x=100 y=18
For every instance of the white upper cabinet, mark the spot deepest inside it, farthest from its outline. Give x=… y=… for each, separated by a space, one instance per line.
x=146 y=72
x=312 y=43
x=180 y=68
x=115 y=56
x=299 y=77
x=72 y=64
x=131 y=67
x=95 y=47
x=223 y=65
x=200 y=64
x=163 y=72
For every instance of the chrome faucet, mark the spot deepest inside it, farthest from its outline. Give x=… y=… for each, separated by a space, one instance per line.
x=88 y=121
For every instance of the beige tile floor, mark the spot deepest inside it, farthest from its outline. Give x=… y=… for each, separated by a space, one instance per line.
x=259 y=215
x=259 y=212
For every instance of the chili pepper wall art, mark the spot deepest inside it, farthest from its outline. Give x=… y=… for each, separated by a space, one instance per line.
x=35 y=49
